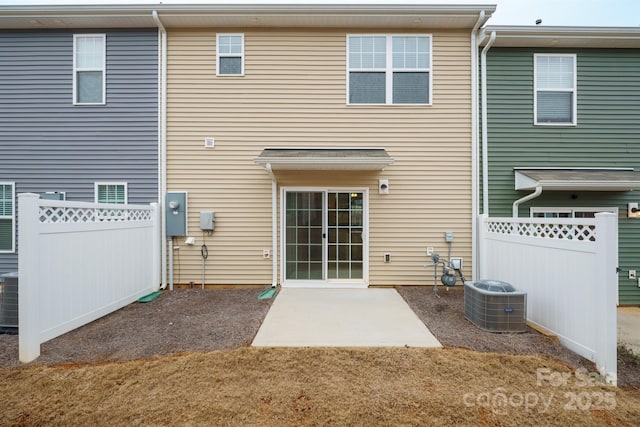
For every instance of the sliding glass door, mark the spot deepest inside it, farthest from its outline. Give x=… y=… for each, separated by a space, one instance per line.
x=324 y=237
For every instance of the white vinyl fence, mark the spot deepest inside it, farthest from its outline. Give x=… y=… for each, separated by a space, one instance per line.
x=568 y=269
x=80 y=261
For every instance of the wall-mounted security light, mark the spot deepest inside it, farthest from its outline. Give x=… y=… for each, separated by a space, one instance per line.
x=383 y=186
x=632 y=210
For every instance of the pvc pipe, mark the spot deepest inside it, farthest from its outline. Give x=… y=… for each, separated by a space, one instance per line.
x=274 y=226
x=162 y=107
x=516 y=204
x=485 y=142
x=171 y=264
x=474 y=138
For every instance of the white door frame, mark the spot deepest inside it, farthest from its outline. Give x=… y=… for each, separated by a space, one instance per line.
x=326 y=283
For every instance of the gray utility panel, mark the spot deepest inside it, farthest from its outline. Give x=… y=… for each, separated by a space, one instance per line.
x=176 y=213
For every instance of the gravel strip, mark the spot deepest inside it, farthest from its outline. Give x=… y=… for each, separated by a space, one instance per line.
x=176 y=322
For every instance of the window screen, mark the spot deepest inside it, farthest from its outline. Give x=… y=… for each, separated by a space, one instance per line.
x=6 y=217
x=230 y=54
x=89 y=69
x=111 y=193
x=389 y=69
x=555 y=89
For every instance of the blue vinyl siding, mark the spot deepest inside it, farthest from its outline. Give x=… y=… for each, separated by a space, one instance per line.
x=607 y=135
x=48 y=144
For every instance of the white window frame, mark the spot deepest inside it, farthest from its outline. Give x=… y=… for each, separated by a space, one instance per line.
x=102 y=69
x=232 y=55
x=389 y=69
x=12 y=217
x=571 y=210
x=574 y=90
x=99 y=183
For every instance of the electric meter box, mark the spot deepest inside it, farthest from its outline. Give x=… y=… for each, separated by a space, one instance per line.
x=176 y=213
x=207 y=220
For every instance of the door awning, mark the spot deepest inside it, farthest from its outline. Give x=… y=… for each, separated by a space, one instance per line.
x=577 y=179
x=347 y=159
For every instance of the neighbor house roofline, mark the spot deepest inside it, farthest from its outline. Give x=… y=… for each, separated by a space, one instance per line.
x=563 y=37
x=382 y=14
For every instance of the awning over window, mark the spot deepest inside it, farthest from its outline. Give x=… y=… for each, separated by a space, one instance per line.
x=577 y=179
x=351 y=159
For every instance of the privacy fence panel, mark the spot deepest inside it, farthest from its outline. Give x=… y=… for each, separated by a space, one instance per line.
x=568 y=269
x=80 y=261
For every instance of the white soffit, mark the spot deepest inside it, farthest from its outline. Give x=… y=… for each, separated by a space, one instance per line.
x=345 y=159
x=387 y=14
x=577 y=179
x=564 y=37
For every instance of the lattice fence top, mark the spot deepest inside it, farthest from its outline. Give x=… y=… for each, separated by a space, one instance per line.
x=549 y=229
x=59 y=214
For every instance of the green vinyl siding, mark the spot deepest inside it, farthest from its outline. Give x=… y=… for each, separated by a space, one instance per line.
x=607 y=134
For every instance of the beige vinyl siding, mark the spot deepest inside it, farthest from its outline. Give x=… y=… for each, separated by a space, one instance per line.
x=293 y=94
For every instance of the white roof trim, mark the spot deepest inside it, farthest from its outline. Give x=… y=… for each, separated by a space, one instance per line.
x=369 y=14
x=575 y=179
x=563 y=37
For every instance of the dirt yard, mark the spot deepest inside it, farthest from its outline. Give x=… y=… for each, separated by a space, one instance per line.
x=153 y=364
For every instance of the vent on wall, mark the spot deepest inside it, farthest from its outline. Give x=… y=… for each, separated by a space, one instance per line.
x=209 y=143
x=495 y=306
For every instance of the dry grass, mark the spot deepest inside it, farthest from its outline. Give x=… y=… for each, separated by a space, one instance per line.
x=249 y=386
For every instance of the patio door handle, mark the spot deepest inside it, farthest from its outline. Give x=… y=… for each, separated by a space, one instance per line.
x=324 y=235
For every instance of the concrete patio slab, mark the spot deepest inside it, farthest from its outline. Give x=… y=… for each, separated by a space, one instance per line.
x=342 y=318
x=629 y=327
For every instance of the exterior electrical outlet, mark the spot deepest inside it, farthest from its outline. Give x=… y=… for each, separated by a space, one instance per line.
x=176 y=213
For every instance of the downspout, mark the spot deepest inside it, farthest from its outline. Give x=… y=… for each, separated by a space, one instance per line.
x=162 y=107
x=485 y=142
x=274 y=226
x=516 y=204
x=474 y=137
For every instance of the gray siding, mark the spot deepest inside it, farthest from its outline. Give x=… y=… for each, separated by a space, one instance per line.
x=48 y=144
x=607 y=135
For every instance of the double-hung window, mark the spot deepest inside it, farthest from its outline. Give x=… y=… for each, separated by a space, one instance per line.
x=111 y=192
x=89 y=52
x=230 y=54
x=385 y=69
x=555 y=89
x=7 y=217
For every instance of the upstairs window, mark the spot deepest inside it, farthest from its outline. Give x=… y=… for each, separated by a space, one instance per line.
x=111 y=192
x=89 y=68
x=389 y=69
x=230 y=54
x=7 y=217
x=555 y=89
